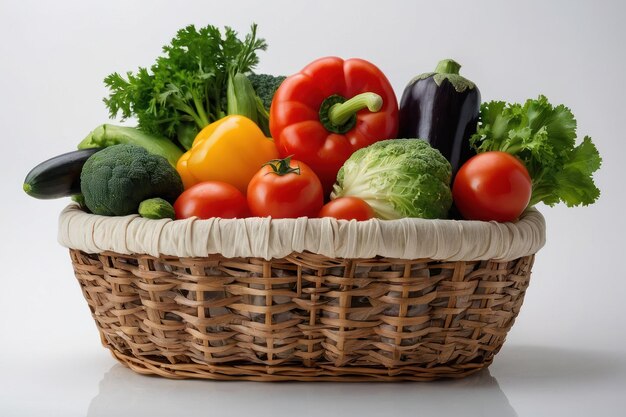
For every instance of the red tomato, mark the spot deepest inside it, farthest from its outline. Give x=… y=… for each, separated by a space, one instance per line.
x=347 y=208
x=492 y=186
x=285 y=189
x=211 y=199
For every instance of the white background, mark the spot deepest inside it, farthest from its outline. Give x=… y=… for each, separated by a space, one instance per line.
x=564 y=356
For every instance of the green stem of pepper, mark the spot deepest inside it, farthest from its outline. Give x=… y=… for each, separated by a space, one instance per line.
x=341 y=113
x=338 y=115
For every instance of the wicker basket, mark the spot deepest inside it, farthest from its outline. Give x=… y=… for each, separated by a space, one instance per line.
x=304 y=316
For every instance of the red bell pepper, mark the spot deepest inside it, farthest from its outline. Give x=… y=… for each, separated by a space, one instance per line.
x=331 y=108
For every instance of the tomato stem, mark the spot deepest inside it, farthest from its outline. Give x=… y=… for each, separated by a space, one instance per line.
x=282 y=167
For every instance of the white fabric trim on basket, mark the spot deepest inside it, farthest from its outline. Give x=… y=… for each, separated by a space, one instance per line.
x=276 y=238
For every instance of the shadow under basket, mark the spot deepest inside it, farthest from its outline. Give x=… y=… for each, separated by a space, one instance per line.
x=303 y=317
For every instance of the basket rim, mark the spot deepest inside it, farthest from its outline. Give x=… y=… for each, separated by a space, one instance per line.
x=410 y=238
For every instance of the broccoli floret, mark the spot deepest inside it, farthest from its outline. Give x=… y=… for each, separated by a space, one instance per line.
x=398 y=178
x=265 y=85
x=116 y=179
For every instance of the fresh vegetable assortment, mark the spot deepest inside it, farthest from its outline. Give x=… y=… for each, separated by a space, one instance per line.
x=214 y=139
x=331 y=108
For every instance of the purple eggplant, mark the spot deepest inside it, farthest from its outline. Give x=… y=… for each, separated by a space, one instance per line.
x=442 y=107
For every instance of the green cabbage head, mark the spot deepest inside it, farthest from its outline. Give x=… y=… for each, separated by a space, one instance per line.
x=398 y=178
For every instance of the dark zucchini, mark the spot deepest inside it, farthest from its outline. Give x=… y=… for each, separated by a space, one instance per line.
x=442 y=108
x=59 y=176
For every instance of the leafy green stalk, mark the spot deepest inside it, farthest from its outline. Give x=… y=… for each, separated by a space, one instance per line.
x=240 y=96
x=543 y=137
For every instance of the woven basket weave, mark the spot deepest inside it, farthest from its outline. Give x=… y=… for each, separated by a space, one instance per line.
x=304 y=316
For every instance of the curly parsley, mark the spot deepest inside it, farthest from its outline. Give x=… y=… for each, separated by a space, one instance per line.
x=184 y=90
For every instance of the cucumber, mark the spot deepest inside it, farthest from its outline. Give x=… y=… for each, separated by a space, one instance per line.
x=59 y=176
x=156 y=208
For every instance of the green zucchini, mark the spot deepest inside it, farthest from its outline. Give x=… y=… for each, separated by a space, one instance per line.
x=59 y=176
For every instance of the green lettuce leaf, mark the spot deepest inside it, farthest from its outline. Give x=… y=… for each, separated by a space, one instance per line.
x=543 y=137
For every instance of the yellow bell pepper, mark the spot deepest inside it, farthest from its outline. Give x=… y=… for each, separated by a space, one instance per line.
x=231 y=150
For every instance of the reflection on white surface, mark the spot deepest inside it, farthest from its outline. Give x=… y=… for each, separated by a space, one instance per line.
x=524 y=381
x=544 y=366
x=529 y=381
x=123 y=392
